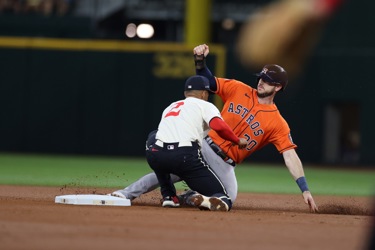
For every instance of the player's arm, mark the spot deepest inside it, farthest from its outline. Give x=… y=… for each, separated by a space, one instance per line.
x=225 y=132
x=200 y=54
x=294 y=165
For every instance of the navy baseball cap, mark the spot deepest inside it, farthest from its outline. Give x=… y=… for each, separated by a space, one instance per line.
x=197 y=83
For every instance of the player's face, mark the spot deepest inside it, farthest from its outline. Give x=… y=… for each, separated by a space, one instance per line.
x=265 y=89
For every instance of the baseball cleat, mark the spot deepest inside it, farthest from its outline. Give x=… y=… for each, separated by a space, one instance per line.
x=170 y=201
x=117 y=194
x=208 y=203
x=184 y=197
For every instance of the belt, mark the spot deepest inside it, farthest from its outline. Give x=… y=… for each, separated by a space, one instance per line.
x=219 y=152
x=173 y=145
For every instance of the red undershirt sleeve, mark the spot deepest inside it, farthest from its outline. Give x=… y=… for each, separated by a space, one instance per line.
x=223 y=130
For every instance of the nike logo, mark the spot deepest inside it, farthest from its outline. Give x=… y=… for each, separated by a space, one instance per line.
x=247 y=95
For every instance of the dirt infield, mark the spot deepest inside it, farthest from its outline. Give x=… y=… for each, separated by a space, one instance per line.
x=29 y=219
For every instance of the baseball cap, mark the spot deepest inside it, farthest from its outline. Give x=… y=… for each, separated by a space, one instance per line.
x=197 y=83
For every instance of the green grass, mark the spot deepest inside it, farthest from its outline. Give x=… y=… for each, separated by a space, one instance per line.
x=276 y=179
x=48 y=170
x=111 y=172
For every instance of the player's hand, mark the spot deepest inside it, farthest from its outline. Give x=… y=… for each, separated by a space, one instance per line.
x=310 y=201
x=202 y=49
x=242 y=143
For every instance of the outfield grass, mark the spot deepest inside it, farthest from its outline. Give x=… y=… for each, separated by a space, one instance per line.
x=111 y=172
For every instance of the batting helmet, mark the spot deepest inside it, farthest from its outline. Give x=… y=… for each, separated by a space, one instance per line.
x=274 y=74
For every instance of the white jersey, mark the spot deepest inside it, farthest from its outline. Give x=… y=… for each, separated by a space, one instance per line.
x=186 y=120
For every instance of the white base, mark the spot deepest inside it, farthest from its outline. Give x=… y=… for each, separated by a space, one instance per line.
x=92 y=199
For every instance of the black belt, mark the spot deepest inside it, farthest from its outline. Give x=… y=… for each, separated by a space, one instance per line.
x=175 y=145
x=219 y=152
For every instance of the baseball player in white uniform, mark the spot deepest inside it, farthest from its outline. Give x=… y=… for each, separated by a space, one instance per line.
x=177 y=149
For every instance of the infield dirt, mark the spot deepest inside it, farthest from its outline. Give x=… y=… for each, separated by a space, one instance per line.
x=29 y=219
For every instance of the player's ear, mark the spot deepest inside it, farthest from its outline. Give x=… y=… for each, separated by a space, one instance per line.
x=206 y=95
x=278 y=87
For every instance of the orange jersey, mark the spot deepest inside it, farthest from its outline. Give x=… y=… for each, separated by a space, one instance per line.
x=260 y=124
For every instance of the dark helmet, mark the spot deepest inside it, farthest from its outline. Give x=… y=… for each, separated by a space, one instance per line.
x=274 y=74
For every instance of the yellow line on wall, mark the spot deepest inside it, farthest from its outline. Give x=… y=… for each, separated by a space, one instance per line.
x=98 y=45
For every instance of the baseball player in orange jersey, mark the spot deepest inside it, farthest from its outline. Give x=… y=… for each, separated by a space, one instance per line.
x=251 y=113
x=260 y=123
